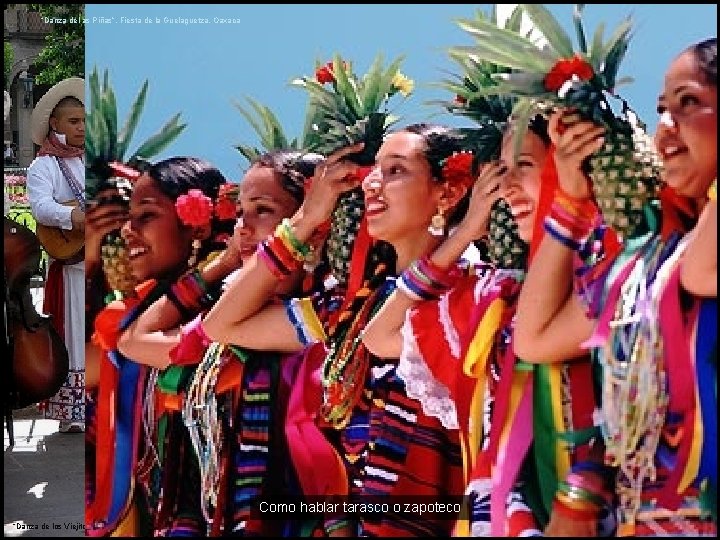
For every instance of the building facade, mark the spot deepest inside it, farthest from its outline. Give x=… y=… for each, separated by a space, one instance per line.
x=25 y=31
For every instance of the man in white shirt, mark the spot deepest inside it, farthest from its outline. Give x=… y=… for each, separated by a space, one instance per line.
x=55 y=186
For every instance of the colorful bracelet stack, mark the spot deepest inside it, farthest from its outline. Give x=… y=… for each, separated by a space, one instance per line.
x=571 y=220
x=282 y=252
x=581 y=497
x=190 y=294
x=423 y=280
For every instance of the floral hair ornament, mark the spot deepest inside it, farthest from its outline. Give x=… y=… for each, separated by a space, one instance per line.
x=226 y=206
x=457 y=169
x=194 y=208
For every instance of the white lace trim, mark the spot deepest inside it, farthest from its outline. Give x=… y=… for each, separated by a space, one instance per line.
x=420 y=385
x=451 y=335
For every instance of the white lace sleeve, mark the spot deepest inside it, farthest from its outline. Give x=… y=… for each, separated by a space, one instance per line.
x=420 y=385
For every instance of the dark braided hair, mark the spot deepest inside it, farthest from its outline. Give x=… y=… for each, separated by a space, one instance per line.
x=706 y=55
x=441 y=142
x=176 y=176
x=293 y=168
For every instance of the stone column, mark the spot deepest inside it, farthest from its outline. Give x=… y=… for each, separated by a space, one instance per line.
x=25 y=150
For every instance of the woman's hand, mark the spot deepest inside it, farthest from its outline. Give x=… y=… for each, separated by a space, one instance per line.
x=573 y=144
x=332 y=177
x=102 y=218
x=485 y=192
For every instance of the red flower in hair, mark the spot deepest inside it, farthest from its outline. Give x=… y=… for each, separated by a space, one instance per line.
x=460 y=100
x=225 y=209
x=194 y=208
x=458 y=169
x=564 y=70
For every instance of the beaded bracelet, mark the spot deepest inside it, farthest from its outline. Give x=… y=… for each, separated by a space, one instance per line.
x=265 y=254
x=281 y=252
x=423 y=280
x=191 y=294
x=285 y=232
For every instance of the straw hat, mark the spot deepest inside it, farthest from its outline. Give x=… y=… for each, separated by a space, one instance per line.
x=40 y=125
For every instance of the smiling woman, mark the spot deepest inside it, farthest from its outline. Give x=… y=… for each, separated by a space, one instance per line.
x=658 y=357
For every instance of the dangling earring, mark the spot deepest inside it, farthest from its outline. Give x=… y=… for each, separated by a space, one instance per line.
x=437 y=224
x=196 y=244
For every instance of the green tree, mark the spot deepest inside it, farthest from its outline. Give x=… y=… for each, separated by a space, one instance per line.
x=9 y=58
x=63 y=55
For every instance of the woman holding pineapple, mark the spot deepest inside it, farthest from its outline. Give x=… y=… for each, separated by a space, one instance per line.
x=653 y=340
x=168 y=206
x=389 y=447
x=270 y=191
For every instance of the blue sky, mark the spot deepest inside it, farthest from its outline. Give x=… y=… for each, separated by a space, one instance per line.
x=199 y=68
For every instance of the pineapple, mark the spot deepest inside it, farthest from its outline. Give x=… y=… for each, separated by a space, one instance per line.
x=349 y=110
x=505 y=247
x=625 y=173
x=103 y=146
x=492 y=113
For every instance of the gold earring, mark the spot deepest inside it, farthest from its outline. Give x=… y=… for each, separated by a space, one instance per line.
x=196 y=244
x=437 y=224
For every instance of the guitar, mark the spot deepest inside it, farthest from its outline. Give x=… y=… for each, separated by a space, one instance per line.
x=62 y=244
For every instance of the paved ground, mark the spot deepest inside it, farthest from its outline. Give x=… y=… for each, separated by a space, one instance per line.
x=44 y=479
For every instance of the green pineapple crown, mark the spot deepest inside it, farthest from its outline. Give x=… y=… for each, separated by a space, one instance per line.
x=105 y=144
x=476 y=74
x=352 y=109
x=271 y=134
x=558 y=73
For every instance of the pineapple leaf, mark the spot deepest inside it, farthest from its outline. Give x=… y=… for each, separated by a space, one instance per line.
x=344 y=87
x=616 y=52
x=248 y=152
x=579 y=30
x=158 y=142
x=596 y=53
x=549 y=27
x=371 y=83
x=128 y=129
x=110 y=115
x=522 y=112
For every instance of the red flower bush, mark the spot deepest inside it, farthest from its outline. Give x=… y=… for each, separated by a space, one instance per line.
x=194 y=208
x=564 y=70
x=458 y=169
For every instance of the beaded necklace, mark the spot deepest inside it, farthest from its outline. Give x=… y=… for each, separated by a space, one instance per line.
x=201 y=420
x=635 y=387
x=347 y=363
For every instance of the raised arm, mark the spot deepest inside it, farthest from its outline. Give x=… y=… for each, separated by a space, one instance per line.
x=382 y=334
x=153 y=335
x=698 y=274
x=242 y=316
x=550 y=323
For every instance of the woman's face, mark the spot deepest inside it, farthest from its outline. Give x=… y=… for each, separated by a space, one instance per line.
x=686 y=136
x=521 y=182
x=401 y=195
x=262 y=205
x=159 y=244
